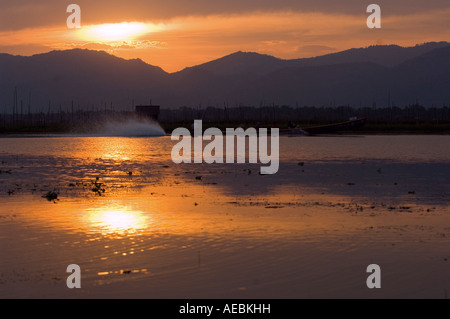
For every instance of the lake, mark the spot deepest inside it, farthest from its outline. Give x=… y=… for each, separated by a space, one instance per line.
x=140 y=226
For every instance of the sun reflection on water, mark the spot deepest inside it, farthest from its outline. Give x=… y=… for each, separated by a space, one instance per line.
x=121 y=221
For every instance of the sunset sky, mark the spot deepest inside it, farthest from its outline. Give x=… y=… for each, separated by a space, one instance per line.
x=174 y=34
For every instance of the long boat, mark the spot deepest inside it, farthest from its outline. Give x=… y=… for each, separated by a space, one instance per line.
x=326 y=129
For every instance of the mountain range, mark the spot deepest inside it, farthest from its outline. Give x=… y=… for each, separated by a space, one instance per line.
x=376 y=75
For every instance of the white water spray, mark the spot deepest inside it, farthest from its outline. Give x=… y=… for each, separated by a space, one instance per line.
x=130 y=128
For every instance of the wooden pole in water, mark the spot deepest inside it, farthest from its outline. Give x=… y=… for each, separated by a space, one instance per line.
x=14 y=105
x=29 y=109
x=48 y=113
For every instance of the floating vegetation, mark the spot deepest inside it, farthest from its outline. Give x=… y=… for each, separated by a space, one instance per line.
x=51 y=196
x=98 y=189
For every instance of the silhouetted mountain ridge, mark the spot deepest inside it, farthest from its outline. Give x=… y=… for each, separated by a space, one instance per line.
x=251 y=62
x=386 y=55
x=240 y=62
x=367 y=76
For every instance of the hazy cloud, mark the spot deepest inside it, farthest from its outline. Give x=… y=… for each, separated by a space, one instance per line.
x=315 y=49
x=25 y=49
x=19 y=14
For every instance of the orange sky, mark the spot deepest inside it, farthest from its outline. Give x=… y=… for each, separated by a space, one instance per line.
x=174 y=34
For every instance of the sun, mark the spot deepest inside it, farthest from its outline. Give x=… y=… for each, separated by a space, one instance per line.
x=124 y=31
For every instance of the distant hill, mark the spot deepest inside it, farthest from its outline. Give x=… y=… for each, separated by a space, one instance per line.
x=86 y=77
x=366 y=76
x=385 y=55
x=240 y=63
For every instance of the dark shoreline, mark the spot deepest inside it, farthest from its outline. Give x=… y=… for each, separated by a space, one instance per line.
x=369 y=128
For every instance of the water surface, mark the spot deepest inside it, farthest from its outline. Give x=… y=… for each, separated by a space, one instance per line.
x=141 y=226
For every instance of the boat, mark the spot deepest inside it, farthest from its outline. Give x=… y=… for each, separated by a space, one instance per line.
x=351 y=124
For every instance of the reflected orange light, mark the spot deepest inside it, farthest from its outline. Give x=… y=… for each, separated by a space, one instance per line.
x=118 y=221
